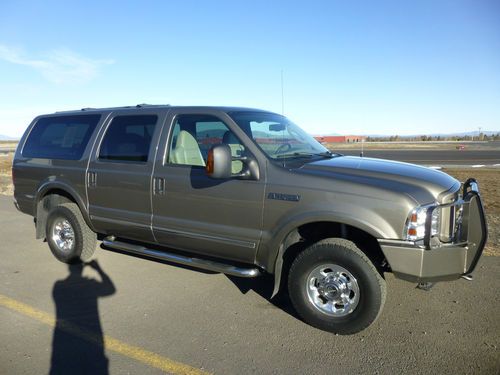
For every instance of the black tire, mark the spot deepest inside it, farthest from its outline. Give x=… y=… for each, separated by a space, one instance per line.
x=370 y=285
x=84 y=240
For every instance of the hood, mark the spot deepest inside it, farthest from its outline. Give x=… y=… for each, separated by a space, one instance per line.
x=423 y=184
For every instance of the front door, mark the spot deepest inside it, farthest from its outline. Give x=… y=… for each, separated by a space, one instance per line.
x=191 y=211
x=119 y=176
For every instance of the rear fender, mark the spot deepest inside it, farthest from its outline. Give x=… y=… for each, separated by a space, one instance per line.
x=51 y=194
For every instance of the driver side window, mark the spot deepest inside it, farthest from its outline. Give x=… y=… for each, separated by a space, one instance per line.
x=194 y=135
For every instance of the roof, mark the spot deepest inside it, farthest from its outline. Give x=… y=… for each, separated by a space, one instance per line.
x=165 y=106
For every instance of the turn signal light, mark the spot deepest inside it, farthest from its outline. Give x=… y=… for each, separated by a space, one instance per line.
x=415 y=227
x=209 y=169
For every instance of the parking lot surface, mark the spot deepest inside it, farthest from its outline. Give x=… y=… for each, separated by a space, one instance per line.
x=132 y=315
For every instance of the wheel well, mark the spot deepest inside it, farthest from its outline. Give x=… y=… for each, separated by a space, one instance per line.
x=303 y=236
x=50 y=199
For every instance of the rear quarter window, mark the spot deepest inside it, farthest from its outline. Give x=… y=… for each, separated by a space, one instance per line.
x=60 y=137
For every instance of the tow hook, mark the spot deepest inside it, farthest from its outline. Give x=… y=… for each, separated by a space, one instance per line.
x=425 y=286
x=468 y=277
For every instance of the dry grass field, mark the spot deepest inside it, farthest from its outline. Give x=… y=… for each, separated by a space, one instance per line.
x=389 y=146
x=487 y=178
x=5 y=174
x=490 y=193
x=449 y=145
x=8 y=144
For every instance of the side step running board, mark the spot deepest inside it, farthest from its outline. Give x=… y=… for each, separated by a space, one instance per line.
x=209 y=265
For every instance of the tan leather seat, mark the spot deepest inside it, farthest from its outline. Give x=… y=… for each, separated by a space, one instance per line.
x=186 y=150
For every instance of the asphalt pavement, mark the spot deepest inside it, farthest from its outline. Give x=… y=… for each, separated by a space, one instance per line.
x=154 y=317
x=486 y=157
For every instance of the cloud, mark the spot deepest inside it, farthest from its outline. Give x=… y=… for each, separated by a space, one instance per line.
x=58 y=66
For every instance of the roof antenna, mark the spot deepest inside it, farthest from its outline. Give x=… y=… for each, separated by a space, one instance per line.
x=282 y=95
x=283 y=109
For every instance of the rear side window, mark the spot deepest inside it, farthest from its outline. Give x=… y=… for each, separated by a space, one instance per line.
x=128 y=138
x=61 y=137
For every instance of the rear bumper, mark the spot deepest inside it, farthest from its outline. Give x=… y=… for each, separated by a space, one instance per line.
x=435 y=261
x=24 y=205
x=16 y=204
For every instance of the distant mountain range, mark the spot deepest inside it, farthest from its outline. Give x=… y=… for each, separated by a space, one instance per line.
x=458 y=134
x=7 y=138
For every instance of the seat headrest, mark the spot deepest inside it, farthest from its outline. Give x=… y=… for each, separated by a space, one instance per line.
x=230 y=138
x=186 y=140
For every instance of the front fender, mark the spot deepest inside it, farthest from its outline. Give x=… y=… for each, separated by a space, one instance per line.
x=365 y=220
x=272 y=251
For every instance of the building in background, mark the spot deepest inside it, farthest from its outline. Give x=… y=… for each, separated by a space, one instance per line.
x=340 y=138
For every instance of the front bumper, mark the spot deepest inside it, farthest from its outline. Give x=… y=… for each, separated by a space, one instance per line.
x=432 y=260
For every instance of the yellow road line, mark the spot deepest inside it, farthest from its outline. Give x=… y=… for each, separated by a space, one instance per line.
x=110 y=343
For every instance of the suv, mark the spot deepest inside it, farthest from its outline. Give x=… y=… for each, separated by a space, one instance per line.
x=246 y=192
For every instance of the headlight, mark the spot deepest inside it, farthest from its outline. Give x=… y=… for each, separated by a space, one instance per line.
x=415 y=227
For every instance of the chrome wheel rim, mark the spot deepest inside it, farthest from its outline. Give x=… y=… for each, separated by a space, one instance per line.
x=333 y=290
x=63 y=235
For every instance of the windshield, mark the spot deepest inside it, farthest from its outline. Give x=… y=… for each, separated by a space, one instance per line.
x=277 y=136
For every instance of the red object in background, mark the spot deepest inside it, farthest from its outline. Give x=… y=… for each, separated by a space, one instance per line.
x=340 y=138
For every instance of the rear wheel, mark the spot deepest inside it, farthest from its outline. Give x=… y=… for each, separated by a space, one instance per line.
x=69 y=237
x=334 y=286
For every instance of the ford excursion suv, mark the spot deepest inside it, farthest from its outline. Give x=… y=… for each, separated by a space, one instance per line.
x=246 y=192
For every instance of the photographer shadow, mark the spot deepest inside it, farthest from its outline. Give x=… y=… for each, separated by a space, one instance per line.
x=78 y=341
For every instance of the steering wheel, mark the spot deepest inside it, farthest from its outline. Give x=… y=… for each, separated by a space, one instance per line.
x=283 y=148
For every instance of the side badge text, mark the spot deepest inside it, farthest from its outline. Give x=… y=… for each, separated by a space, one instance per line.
x=284 y=197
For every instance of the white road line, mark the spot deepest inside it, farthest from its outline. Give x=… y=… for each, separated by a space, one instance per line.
x=452 y=166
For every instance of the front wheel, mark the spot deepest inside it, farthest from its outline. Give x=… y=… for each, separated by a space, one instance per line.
x=335 y=287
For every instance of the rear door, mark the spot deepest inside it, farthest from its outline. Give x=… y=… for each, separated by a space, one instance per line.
x=194 y=212
x=119 y=175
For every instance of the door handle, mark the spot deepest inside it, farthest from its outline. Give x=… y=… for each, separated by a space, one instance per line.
x=91 y=179
x=159 y=186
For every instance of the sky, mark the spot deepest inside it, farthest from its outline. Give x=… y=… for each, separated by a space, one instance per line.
x=357 y=67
